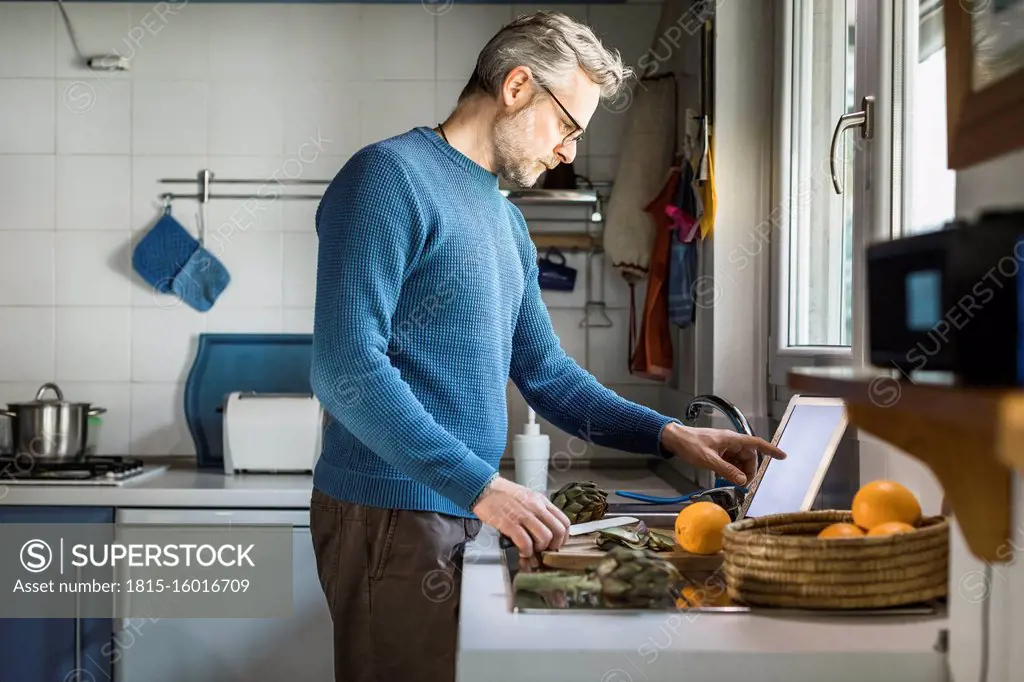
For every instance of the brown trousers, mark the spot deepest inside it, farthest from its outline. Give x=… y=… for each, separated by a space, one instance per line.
x=392 y=580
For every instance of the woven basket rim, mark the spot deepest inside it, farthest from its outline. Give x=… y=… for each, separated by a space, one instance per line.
x=743 y=533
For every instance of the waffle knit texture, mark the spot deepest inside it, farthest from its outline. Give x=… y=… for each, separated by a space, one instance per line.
x=427 y=302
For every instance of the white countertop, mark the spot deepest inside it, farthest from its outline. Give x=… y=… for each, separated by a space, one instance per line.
x=184 y=486
x=496 y=644
x=177 y=487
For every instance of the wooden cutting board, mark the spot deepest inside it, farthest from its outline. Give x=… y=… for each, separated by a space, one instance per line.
x=581 y=552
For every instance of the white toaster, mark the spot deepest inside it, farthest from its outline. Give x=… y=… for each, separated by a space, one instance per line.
x=272 y=432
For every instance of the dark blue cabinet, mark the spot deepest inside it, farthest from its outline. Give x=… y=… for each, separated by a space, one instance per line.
x=55 y=649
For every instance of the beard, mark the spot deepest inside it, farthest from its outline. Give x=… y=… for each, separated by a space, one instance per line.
x=513 y=163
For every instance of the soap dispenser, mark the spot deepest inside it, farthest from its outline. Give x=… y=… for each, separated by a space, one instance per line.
x=531 y=451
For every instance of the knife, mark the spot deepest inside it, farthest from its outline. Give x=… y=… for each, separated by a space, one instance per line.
x=590 y=526
x=575 y=529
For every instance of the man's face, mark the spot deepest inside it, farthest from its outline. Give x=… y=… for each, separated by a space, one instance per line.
x=541 y=129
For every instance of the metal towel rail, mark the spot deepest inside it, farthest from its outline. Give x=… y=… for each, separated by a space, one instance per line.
x=588 y=241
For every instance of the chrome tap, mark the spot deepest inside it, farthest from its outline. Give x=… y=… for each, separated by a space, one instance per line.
x=739 y=422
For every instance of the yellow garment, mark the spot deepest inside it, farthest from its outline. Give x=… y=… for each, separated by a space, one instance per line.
x=708 y=196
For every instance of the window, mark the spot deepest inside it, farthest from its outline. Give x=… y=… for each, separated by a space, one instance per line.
x=818 y=310
x=931 y=194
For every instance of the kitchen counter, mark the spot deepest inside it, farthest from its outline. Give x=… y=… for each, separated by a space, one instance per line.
x=497 y=645
x=182 y=485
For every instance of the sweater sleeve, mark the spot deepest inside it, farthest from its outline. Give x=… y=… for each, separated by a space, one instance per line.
x=371 y=231
x=567 y=395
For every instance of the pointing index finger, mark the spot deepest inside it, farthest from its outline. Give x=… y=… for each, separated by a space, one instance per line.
x=764 y=446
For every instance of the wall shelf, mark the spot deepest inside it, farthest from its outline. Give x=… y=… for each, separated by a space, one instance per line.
x=565 y=241
x=971 y=438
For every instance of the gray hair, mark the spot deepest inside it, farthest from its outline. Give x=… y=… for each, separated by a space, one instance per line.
x=553 y=46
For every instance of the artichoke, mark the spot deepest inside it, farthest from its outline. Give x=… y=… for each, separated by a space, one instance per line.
x=581 y=501
x=625 y=578
x=640 y=537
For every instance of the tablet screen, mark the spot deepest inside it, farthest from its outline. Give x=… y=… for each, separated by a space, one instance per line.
x=805 y=441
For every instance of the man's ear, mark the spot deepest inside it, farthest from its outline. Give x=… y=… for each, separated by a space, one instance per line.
x=516 y=88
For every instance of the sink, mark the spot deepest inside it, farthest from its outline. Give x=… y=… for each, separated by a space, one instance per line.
x=657 y=517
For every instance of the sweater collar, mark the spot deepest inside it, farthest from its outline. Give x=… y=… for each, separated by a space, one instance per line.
x=485 y=177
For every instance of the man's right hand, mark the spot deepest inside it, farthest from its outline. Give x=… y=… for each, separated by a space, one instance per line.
x=526 y=516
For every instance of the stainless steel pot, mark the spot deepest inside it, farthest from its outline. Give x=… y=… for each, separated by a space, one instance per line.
x=50 y=428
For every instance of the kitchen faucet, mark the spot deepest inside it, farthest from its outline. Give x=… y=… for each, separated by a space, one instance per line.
x=739 y=422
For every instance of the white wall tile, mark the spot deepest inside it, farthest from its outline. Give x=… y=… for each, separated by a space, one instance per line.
x=397 y=42
x=168 y=40
x=630 y=29
x=26 y=191
x=93 y=119
x=245 y=118
x=300 y=262
x=26 y=116
x=327 y=121
x=26 y=39
x=164 y=342
x=93 y=344
x=389 y=109
x=609 y=350
x=298 y=321
x=254 y=260
x=158 y=420
x=169 y=117
x=100 y=29
x=114 y=434
x=243 y=320
x=245 y=44
x=93 y=268
x=146 y=190
x=446 y=97
x=27 y=276
x=93 y=192
x=321 y=42
x=26 y=344
x=462 y=32
x=602 y=168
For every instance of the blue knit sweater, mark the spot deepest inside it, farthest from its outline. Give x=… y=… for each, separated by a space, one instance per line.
x=427 y=302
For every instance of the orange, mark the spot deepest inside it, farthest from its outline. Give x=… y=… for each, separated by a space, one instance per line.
x=883 y=501
x=690 y=597
x=699 y=527
x=840 y=531
x=891 y=528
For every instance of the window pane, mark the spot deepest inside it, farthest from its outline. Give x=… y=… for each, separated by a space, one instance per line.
x=821 y=225
x=931 y=196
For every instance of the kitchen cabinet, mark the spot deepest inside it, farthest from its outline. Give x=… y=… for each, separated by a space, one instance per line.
x=55 y=649
x=297 y=649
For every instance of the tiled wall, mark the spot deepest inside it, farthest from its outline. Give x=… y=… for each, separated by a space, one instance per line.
x=258 y=91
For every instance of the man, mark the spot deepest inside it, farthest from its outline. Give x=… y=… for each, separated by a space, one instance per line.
x=427 y=303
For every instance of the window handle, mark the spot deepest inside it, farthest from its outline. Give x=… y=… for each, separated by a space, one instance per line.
x=863 y=119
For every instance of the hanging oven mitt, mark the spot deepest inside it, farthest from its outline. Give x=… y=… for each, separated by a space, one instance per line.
x=163 y=252
x=203 y=278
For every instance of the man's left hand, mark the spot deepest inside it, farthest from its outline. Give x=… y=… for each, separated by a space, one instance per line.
x=731 y=455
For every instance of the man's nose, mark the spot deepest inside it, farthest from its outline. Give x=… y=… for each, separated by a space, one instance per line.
x=566 y=152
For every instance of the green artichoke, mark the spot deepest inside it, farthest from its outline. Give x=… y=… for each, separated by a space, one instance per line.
x=581 y=501
x=625 y=578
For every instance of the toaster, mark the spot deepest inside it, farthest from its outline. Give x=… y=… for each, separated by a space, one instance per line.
x=272 y=432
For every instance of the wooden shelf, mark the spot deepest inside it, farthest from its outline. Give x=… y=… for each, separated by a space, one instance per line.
x=566 y=241
x=971 y=438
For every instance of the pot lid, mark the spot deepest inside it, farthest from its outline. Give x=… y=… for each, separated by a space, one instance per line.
x=41 y=401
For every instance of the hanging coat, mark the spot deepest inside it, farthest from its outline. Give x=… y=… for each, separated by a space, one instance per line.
x=653 y=357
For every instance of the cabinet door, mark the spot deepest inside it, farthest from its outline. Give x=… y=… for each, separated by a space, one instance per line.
x=296 y=649
x=44 y=650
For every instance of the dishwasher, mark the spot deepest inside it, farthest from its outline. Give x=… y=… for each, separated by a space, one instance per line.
x=298 y=648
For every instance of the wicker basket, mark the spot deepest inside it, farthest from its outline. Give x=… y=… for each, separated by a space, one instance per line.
x=777 y=561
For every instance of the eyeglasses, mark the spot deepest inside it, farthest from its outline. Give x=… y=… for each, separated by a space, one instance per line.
x=569 y=139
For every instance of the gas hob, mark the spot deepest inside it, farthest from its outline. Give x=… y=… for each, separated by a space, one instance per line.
x=90 y=470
